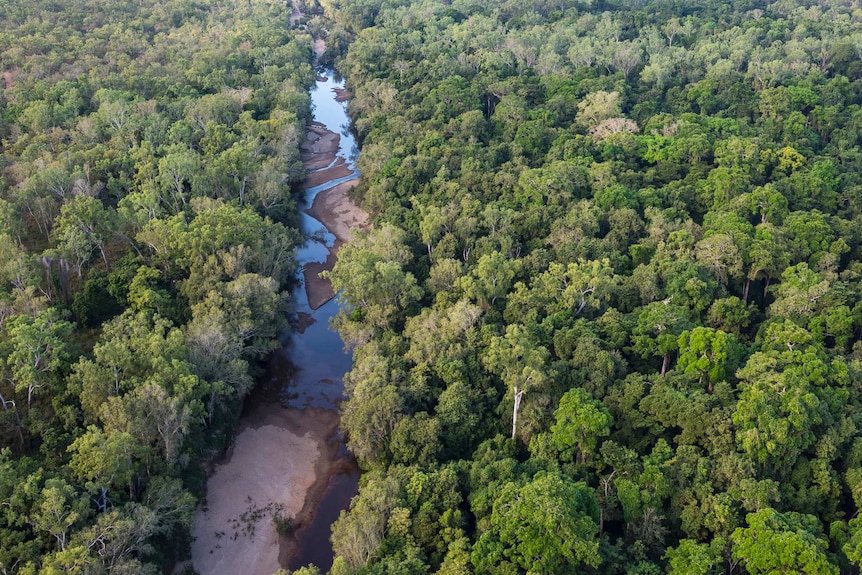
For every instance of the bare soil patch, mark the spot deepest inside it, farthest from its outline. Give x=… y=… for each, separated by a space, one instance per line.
x=320 y=147
x=319 y=290
x=337 y=212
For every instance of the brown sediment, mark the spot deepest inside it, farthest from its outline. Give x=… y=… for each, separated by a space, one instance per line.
x=335 y=210
x=342 y=95
x=330 y=463
x=320 y=147
x=338 y=170
x=303 y=320
x=319 y=48
x=319 y=290
x=265 y=473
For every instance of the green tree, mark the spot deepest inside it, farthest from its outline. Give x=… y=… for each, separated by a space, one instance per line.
x=580 y=421
x=519 y=362
x=38 y=350
x=693 y=558
x=548 y=526
x=657 y=332
x=58 y=509
x=782 y=543
x=710 y=353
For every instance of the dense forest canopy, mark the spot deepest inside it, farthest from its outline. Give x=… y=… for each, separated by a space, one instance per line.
x=608 y=319
x=146 y=251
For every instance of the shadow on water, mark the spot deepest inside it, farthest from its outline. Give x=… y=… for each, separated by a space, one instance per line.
x=313 y=545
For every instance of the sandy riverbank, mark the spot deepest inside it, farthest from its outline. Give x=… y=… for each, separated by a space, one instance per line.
x=267 y=474
x=282 y=459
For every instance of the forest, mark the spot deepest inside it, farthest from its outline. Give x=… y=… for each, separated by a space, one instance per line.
x=607 y=319
x=148 y=230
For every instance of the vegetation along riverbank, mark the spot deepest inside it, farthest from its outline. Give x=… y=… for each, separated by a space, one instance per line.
x=604 y=314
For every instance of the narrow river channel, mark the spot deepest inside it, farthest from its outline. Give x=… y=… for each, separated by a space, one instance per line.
x=318 y=351
x=288 y=459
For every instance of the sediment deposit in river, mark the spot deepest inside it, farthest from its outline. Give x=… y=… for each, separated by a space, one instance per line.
x=286 y=450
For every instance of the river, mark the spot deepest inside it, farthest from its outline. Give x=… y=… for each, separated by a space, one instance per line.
x=288 y=459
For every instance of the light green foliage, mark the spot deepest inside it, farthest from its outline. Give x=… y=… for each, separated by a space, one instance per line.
x=580 y=422
x=371 y=277
x=788 y=543
x=547 y=526
x=57 y=510
x=358 y=533
x=711 y=354
x=692 y=558
x=788 y=390
x=37 y=351
x=107 y=460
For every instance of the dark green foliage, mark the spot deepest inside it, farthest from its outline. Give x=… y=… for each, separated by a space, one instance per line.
x=147 y=150
x=635 y=233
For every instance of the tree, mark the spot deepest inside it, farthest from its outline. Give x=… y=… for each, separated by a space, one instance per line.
x=58 y=509
x=153 y=416
x=548 y=526
x=693 y=558
x=374 y=405
x=106 y=459
x=84 y=224
x=580 y=421
x=789 y=391
x=519 y=362
x=710 y=353
x=177 y=169
x=657 y=332
x=370 y=275
x=782 y=543
x=598 y=106
x=359 y=531
x=491 y=278
x=38 y=350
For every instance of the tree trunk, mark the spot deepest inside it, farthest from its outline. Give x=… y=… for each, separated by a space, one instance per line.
x=664 y=364
x=104 y=257
x=518 y=395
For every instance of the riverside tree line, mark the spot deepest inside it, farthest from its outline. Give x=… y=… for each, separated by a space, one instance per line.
x=146 y=254
x=608 y=318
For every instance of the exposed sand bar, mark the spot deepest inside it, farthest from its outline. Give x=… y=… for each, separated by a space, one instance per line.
x=268 y=472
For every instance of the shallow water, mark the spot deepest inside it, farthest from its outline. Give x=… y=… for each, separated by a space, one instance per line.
x=307 y=371
x=314 y=362
x=310 y=366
